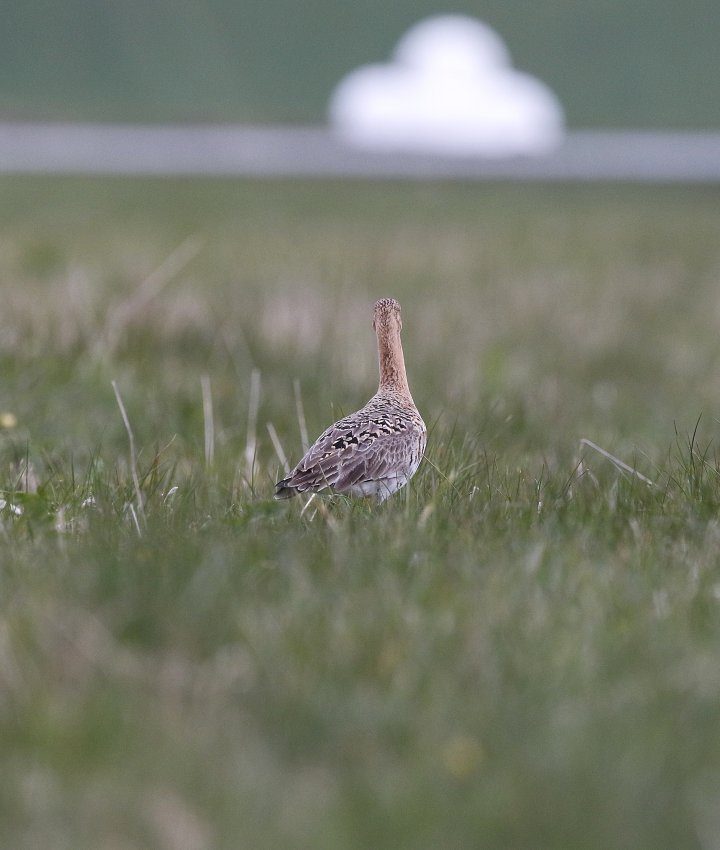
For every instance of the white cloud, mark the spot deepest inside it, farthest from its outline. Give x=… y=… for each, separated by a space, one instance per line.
x=450 y=89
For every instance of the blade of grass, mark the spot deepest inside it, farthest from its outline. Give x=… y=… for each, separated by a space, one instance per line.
x=208 y=420
x=620 y=464
x=277 y=445
x=251 y=438
x=133 y=457
x=301 y=415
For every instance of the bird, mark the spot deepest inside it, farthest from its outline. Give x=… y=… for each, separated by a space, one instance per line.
x=375 y=451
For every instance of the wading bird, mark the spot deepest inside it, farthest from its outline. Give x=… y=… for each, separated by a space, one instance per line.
x=376 y=450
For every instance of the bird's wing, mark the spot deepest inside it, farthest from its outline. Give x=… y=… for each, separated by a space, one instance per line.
x=362 y=447
x=385 y=458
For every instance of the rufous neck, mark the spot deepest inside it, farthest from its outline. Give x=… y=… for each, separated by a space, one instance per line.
x=392 y=363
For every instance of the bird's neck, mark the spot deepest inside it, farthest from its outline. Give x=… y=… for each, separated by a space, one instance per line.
x=393 y=376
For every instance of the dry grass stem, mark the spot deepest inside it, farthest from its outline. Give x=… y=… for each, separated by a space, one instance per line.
x=301 y=415
x=278 y=447
x=251 y=438
x=620 y=464
x=133 y=514
x=208 y=420
x=119 y=318
x=133 y=457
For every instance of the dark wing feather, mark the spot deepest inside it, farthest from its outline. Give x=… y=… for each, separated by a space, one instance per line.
x=320 y=466
x=380 y=460
x=356 y=449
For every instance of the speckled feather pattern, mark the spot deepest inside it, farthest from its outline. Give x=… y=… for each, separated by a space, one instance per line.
x=376 y=450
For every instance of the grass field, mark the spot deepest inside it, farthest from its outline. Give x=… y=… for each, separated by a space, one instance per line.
x=522 y=651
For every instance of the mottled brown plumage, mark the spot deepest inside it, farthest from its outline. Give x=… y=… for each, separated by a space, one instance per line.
x=376 y=450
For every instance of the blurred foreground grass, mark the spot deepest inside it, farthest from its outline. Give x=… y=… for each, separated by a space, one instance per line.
x=520 y=652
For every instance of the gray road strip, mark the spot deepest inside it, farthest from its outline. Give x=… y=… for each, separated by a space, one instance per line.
x=640 y=156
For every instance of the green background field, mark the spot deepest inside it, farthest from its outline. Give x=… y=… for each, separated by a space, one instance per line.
x=520 y=651
x=650 y=63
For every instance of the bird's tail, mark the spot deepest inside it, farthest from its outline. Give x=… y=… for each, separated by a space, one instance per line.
x=284 y=490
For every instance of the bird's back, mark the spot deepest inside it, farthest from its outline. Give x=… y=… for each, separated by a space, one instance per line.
x=372 y=452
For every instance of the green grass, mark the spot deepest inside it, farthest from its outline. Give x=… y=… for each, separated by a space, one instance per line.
x=521 y=651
